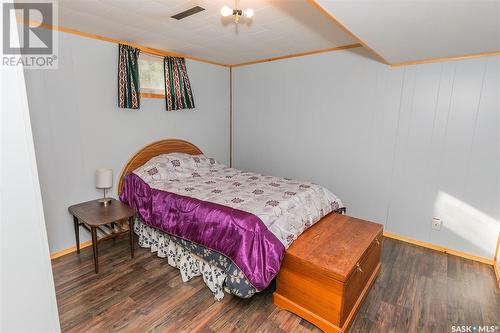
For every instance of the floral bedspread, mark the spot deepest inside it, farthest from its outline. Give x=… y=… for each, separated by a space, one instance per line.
x=287 y=207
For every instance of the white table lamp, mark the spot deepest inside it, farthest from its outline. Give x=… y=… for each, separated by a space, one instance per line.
x=104 y=180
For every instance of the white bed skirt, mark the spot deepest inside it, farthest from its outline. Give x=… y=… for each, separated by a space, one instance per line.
x=188 y=264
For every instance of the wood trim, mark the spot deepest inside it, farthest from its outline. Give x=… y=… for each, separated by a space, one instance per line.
x=230 y=116
x=152 y=95
x=69 y=250
x=145 y=49
x=302 y=54
x=284 y=303
x=339 y=24
x=439 y=248
x=154 y=149
x=335 y=20
x=163 y=53
x=441 y=59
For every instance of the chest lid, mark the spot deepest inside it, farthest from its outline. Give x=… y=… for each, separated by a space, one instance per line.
x=335 y=244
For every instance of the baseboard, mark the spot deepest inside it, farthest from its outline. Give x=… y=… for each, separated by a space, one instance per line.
x=440 y=248
x=387 y=234
x=69 y=250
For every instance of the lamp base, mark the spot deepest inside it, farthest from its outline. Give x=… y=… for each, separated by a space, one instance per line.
x=104 y=201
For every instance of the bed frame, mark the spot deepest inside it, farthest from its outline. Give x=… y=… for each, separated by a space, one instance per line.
x=154 y=149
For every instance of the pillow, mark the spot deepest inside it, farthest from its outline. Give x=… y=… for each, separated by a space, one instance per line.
x=173 y=166
x=157 y=168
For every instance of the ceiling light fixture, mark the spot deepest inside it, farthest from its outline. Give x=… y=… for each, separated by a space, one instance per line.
x=237 y=13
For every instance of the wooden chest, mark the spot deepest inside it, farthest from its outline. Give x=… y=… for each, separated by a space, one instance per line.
x=328 y=271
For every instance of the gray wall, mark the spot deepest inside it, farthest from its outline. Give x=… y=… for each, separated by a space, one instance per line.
x=78 y=127
x=27 y=295
x=398 y=145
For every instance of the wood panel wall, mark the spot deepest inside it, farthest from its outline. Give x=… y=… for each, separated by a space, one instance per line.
x=398 y=145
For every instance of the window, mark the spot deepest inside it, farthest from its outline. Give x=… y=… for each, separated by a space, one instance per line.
x=151 y=78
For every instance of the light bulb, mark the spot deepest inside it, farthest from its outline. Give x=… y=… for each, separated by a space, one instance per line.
x=249 y=13
x=226 y=11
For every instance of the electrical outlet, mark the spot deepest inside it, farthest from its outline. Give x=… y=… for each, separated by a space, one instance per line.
x=436 y=223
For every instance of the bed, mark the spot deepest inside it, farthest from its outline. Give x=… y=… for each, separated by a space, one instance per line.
x=229 y=226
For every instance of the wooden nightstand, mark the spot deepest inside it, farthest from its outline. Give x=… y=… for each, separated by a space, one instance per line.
x=93 y=216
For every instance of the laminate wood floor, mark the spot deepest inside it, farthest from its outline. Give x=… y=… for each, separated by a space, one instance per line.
x=418 y=290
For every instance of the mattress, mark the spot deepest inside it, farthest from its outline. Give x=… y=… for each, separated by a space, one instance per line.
x=246 y=217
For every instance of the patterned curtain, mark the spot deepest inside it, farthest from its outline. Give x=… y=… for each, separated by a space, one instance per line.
x=128 y=77
x=178 y=94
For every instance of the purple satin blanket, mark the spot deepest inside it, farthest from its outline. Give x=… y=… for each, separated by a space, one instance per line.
x=238 y=235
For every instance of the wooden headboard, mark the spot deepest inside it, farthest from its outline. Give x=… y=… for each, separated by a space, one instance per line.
x=154 y=149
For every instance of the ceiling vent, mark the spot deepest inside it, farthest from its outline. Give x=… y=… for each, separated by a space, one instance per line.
x=189 y=12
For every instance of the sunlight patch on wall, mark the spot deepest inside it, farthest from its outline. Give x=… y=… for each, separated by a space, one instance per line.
x=469 y=223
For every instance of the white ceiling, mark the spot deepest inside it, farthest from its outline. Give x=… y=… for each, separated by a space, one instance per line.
x=408 y=30
x=279 y=27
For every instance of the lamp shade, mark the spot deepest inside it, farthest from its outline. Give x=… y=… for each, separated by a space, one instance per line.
x=104 y=178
